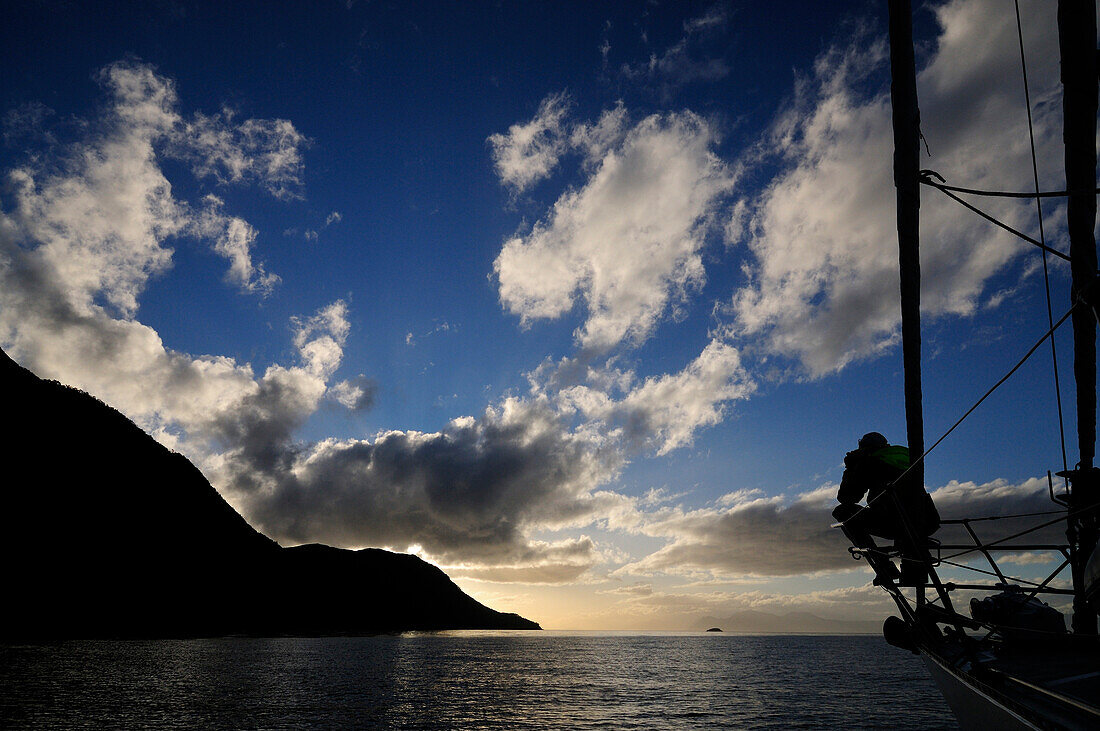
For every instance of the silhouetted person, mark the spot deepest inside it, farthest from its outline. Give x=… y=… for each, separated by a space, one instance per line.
x=872 y=470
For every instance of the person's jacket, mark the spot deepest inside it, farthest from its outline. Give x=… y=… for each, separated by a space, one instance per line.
x=869 y=473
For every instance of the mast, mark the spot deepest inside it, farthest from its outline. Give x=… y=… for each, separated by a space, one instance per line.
x=906 y=120
x=1077 y=44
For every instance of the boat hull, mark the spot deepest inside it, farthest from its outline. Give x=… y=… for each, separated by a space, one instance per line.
x=973 y=706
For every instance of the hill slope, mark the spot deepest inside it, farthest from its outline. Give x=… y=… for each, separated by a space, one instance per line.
x=105 y=532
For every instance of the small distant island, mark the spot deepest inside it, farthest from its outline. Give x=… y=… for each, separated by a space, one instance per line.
x=107 y=533
x=790 y=623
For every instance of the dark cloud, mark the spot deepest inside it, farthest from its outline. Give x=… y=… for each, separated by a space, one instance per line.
x=260 y=427
x=469 y=493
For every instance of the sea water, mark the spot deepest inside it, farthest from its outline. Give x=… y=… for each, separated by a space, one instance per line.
x=472 y=680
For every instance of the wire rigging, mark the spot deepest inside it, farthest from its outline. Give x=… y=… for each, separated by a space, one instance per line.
x=1004 y=193
x=1032 y=529
x=1007 y=579
x=994 y=387
x=926 y=179
x=933 y=179
x=1042 y=236
x=1001 y=517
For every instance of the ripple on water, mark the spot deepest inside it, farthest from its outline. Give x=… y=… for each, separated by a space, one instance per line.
x=472 y=680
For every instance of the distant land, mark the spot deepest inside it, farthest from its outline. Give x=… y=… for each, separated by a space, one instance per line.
x=765 y=623
x=107 y=533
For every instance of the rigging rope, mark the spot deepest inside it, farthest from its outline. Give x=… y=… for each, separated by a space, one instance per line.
x=960 y=521
x=969 y=411
x=1042 y=237
x=1001 y=193
x=1007 y=579
x=927 y=180
x=999 y=541
x=925 y=177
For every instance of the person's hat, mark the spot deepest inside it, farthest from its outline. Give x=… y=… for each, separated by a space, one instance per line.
x=871 y=441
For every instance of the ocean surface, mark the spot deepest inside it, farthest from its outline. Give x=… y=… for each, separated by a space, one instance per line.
x=472 y=680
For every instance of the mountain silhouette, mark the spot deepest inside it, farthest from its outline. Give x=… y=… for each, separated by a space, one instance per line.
x=107 y=533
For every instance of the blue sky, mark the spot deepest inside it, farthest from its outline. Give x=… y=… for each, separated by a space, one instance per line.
x=584 y=302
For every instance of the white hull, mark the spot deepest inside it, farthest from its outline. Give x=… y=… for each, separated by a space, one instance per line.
x=973 y=706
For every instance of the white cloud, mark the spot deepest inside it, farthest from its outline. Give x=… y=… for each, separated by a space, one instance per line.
x=99 y=221
x=99 y=213
x=142 y=99
x=1025 y=558
x=89 y=226
x=356 y=394
x=472 y=495
x=197 y=404
x=627 y=242
x=256 y=426
x=438 y=326
x=265 y=151
x=822 y=283
x=320 y=338
x=664 y=412
x=667 y=410
x=530 y=152
x=595 y=140
x=715 y=17
x=233 y=239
